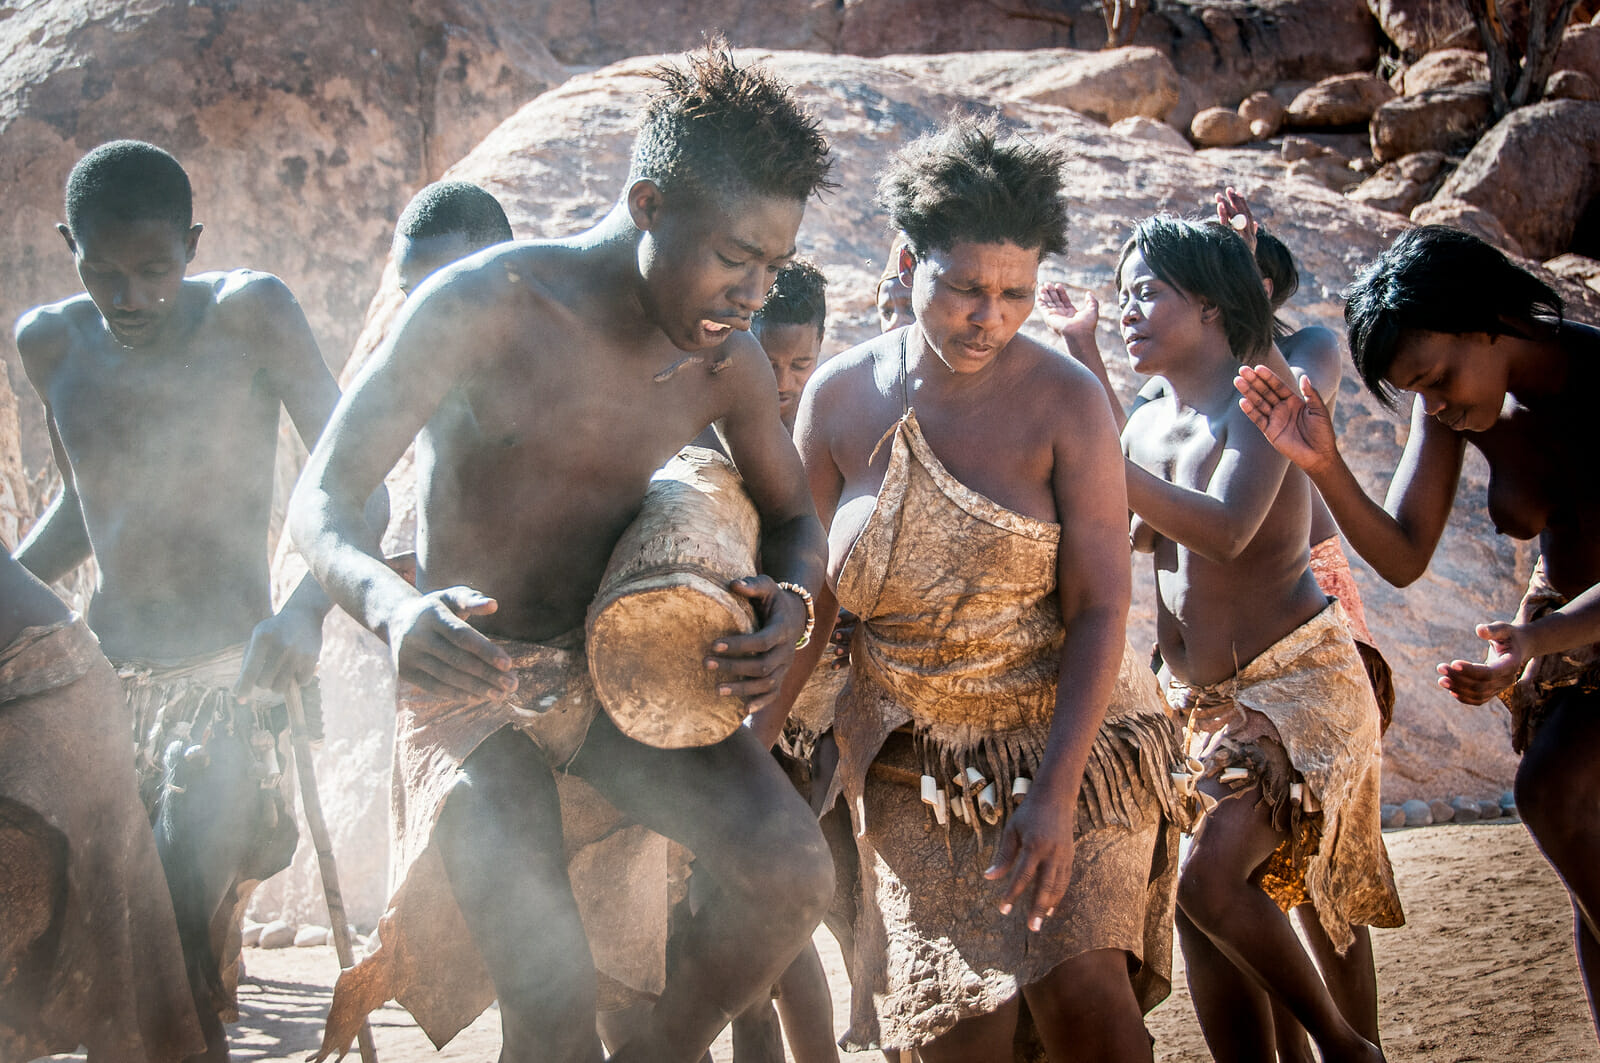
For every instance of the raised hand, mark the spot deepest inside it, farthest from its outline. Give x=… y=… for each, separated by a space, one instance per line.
x=1296 y=424
x=1073 y=322
x=1231 y=205
x=1474 y=684
x=434 y=647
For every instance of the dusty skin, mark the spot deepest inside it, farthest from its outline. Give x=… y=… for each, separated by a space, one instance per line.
x=1483 y=971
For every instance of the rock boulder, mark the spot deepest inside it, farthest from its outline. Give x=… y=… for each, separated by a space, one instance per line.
x=1347 y=99
x=1446 y=67
x=1537 y=171
x=1448 y=120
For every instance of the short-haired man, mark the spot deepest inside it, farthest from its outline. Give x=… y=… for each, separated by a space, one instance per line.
x=444 y=223
x=574 y=369
x=162 y=394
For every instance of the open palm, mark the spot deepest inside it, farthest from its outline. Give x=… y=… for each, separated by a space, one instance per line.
x=1296 y=423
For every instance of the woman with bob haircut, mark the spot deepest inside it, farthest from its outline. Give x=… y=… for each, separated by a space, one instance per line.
x=1280 y=724
x=1491 y=360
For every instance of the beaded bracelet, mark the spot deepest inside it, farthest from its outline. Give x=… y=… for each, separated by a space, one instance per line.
x=811 y=611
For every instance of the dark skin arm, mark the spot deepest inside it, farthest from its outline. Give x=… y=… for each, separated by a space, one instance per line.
x=792 y=544
x=285 y=647
x=1093 y=585
x=59 y=540
x=1398 y=538
x=1075 y=323
x=825 y=484
x=429 y=639
x=1219 y=522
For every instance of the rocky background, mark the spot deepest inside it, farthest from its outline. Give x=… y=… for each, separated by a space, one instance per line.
x=307 y=127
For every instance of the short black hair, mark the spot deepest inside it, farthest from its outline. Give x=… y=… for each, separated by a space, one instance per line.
x=1208 y=260
x=967 y=181
x=1277 y=265
x=128 y=180
x=1437 y=279
x=718 y=129
x=799 y=296
x=450 y=208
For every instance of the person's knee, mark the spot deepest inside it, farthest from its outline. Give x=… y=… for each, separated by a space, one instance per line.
x=1092 y=986
x=1204 y=895
x=791 y=873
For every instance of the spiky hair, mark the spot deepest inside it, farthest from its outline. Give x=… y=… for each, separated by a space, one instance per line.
x=969 y=181
x=718 y=129
x=799 y=296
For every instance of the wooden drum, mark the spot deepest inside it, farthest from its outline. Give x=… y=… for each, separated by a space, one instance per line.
x=664 y=600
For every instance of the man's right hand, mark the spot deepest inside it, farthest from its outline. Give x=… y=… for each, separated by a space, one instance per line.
x=435 y=648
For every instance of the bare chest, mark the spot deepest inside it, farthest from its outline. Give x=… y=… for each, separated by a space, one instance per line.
x=133 y=418
x=1179 y=445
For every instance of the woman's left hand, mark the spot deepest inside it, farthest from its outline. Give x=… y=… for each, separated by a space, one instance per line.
x=1508 y=653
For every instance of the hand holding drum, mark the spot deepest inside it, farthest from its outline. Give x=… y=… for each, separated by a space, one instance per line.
x=664 y=600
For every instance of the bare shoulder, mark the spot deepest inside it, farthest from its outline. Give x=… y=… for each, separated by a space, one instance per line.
x=46 y=334
x=854 y=367
x=1055 y=383
x=245 y=296
x=1315 y=352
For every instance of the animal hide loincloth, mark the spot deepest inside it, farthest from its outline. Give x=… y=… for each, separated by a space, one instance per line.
x=106 y=970
x=959 y=644
x=624 y=877
x=189 y=705
x=1301 y=714
x=1529 y=697
x=1331 y=568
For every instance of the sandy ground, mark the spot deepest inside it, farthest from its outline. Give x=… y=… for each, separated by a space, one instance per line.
x=1484 y=971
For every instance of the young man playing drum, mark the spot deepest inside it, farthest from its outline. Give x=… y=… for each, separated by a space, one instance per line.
x=549 y=380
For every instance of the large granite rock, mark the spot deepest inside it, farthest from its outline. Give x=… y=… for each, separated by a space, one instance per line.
x=557 y=166
x=1448 y=119
x=1537 y=171
x=304 y=127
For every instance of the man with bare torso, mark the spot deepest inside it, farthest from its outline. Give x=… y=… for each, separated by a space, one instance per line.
x=548 y=381
x=162 y=394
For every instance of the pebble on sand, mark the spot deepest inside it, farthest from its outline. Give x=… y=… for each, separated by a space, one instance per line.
x=276 y=935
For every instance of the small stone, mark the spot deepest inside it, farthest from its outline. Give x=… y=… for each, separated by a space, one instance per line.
x=1296 y=148
x=1261 y=110
x=1508 y=803
x=1418 y=814
x=311 y=936
x=1442 y=812
x=1489 y=808
x=1392 y=816
x=249 y=933
x=276 y=935
x=1571 y=85
x=1465 y=809
x=1218 y=127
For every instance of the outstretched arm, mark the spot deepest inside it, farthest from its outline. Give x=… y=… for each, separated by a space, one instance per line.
x=1398 y=538
x=1075 y=324
x=1512 y=644
x=59 y=540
